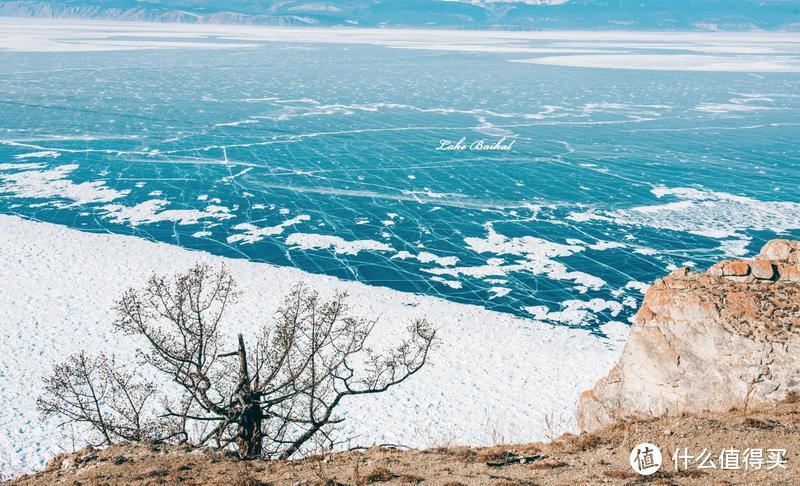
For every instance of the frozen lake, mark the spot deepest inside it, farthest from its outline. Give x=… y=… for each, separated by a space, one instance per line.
x=632 y=154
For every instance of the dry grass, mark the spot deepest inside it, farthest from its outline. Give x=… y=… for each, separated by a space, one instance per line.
x=596 y=458
x=620 y=474
x=548 y=464
x=379 y=475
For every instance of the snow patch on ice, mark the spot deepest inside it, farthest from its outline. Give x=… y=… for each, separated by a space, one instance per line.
x=27 y=166
x=453 y=284
x=674 y=62
x=151 y=211
x=641 y=287
x=606 y=245
x=253 y=233
x=313 y=241
x=427 y=257
x=724 y=108
x=38 y=155
x=538 y=258
x=707 y=213
x=236 y=123
x=499 y=292
x=576 y=312
x=54 y=183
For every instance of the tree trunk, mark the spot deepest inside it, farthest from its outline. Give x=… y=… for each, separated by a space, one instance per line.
x=248 y=435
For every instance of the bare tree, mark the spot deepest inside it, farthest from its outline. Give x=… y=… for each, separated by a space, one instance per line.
x=96 y=392
x=179 y=319
x=276 y=400
x=317 y=356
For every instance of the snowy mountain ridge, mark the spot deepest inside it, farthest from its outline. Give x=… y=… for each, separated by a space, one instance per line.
x=460 y=14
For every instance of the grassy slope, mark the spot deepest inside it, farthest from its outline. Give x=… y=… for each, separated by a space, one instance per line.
x=600 y=457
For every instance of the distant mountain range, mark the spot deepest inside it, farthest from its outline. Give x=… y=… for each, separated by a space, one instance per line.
x=466 y=14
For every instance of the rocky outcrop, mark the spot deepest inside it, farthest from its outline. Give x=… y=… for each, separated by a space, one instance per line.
x=712 y=341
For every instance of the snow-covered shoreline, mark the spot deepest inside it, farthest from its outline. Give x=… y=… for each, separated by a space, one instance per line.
x=494 y=378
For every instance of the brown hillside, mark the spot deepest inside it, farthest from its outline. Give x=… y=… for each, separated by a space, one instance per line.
x=600 y=457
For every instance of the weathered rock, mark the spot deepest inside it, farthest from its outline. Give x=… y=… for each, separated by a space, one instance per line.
x=735 y=268
x=762 y=269
x=708 y=342
x=777 y=250
x=743 y=279
x=680 y=272
x=791 y=274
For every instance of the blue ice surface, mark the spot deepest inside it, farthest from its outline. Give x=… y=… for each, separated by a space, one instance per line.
x=347 y=135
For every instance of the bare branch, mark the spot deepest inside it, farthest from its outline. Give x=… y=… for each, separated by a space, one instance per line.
x=277 y=400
